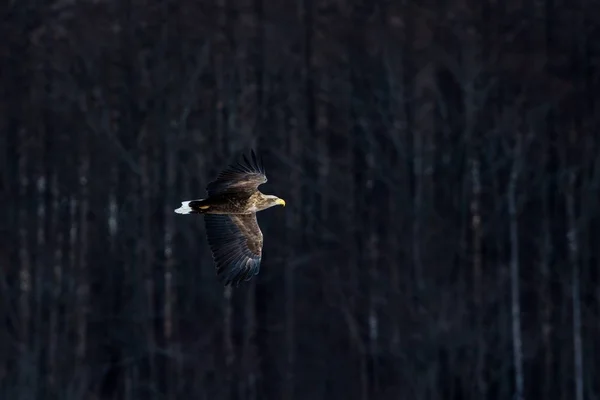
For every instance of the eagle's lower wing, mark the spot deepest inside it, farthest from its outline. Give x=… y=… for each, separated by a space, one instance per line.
x=236 y=244
x=245 y=175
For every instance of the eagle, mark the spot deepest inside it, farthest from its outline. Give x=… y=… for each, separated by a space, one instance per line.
x=229 y=211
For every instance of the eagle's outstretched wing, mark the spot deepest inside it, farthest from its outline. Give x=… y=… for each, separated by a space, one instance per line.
x=236 y=244
x=244 y=176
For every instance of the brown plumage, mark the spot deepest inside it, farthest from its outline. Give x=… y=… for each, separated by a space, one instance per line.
x=234 y=237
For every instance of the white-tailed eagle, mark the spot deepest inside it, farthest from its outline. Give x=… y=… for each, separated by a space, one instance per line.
x=234 y=237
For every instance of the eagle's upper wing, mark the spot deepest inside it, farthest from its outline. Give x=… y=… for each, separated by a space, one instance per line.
x=245 y=175
x=236 y=244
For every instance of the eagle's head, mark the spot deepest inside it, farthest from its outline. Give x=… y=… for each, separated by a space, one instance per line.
x=271 y=201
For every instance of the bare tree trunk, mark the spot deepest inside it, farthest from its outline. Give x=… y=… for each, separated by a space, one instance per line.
x=221 y=68
x=24 y=255
x=82 y=272
x=73 y=264
x=418 y=154
x=576 y=285
x=113 y=209
x=169 y=299
x=477 y=269
x=593 y=368
x=358 y=312
x=548 y=308
x=40 y=263
x=506 y=387
x=397 y=196
x=228 y=339
x=147 y=262
x=292 y=223
x=545 y=289
x=44 y=142
x=471 y=100
x=583 y=63
x=247 y=385
x=565 y=368
x=394 y=273
x=424 y=129
x=514 y=269
x=486 y=47
x=57 y=269
x=372 y=258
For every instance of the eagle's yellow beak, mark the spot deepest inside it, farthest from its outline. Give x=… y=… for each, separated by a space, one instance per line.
x=280 y=201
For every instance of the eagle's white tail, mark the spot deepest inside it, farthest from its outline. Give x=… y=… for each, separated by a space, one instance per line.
x=185 y=208
x=191 y=207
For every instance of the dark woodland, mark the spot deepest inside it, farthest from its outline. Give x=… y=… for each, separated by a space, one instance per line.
x=440 y=161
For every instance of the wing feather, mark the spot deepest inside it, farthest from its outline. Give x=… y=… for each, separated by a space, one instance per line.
x=236 y=244
x=244 y=175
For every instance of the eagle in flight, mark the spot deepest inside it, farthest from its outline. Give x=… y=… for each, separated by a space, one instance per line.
x=234 y=237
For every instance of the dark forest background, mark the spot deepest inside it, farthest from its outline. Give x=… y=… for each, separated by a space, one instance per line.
x=441 y=166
